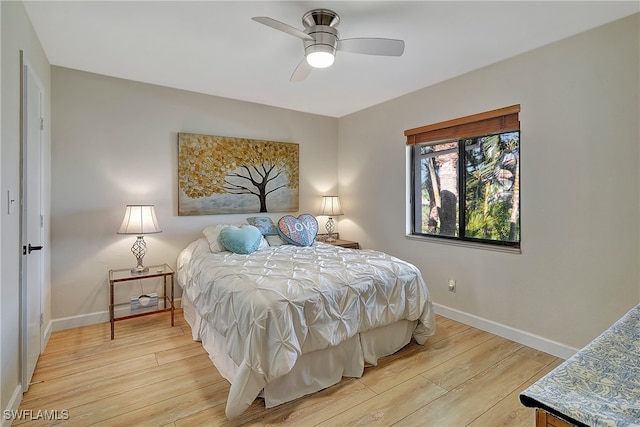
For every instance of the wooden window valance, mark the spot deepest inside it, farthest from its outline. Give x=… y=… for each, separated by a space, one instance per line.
x=490 y=122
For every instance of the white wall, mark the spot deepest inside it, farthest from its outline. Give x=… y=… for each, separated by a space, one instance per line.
x=115 y=142
x=580 y=187
x=17 y=34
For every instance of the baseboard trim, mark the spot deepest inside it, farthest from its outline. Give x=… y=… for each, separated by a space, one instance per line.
x=12 y=406
x=46 y=335
x=522 y=337
x=89 y=319
x=79 y=320
x=531 y=340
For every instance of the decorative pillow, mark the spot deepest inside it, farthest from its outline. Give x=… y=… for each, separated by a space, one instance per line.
x=241 y=240
x=275 y=240
x=263 y=243
x=299 y=231
x=264 y=224
x=212 y=233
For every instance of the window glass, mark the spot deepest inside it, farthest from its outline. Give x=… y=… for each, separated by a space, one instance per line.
x=439 y=188
x=481 y=171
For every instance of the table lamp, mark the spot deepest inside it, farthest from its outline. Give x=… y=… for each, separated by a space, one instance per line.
x=331 y=207
x=139 y=220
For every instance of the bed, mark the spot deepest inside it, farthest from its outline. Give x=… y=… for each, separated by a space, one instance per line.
x=597 y=386
x=286 y=320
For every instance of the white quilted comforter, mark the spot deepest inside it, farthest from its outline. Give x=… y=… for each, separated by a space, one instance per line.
x=284 y=301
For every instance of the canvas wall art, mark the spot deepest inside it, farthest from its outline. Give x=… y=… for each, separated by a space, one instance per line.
x=224 y=175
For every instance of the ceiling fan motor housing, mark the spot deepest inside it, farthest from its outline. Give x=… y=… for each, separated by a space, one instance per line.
x=325 y=39
x=320 y=17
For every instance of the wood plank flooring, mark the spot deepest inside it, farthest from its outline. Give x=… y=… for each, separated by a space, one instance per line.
x=155 y=375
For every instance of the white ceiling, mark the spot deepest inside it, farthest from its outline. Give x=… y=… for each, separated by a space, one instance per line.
x=214 y=47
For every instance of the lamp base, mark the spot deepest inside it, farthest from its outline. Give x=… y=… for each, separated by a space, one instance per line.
x=139 y=249
x=331 y=226
x=139 y=270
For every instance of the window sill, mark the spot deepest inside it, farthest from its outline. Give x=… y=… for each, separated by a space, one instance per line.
x=465 y=244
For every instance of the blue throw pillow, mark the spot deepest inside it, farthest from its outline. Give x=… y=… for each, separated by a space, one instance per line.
x=264 y=224
x=241 y=240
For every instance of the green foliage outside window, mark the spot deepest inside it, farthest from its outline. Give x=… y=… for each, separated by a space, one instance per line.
x=484 y=173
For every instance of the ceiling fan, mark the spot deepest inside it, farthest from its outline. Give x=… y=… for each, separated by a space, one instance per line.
x=321 y=41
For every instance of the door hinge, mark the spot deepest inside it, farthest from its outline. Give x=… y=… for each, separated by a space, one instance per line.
x=41 y=123
x=41 y=221
x=41 y=319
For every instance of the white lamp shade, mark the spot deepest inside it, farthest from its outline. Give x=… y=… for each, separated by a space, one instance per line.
x=139 y=220
x=331 y=206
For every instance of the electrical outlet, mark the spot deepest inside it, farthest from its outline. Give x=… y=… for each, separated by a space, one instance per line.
x=452 y=285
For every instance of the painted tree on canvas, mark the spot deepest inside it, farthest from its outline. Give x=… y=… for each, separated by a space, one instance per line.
x=211 y=165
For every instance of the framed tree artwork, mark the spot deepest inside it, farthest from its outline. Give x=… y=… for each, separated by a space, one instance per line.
x=224 y=175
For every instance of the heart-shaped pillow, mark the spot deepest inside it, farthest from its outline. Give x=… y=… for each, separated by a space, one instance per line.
x=299 y=231
x=241 y=240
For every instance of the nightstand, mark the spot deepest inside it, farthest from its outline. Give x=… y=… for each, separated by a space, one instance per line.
x=164 y=302
x=345 y=244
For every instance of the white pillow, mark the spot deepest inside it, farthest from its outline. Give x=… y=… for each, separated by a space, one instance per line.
x=263 y=243
x=275 y=240
x=212 y=233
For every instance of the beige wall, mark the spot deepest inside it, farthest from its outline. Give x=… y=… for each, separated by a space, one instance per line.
x=578 y=271
x=17 y=35
x=115 y=142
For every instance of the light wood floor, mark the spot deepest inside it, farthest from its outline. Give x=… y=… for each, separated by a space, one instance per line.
x=153 y=374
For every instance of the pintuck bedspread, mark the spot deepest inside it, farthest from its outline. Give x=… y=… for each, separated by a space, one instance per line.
x=600 y=384
x=281 y=302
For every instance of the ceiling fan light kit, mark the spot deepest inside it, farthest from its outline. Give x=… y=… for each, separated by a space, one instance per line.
x=319 y=58
x=321 y=41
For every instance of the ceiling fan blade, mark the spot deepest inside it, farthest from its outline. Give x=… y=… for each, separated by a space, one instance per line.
x=281 y=26
x=372 y=46
x=301 y=72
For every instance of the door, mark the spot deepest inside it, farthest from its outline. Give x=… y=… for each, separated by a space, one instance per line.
x=32 y=224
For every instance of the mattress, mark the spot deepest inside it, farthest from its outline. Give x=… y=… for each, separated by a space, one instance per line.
x=600 y=384
x=262 y=316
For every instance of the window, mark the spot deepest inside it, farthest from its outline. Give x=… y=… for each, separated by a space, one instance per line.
x=474 y=159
